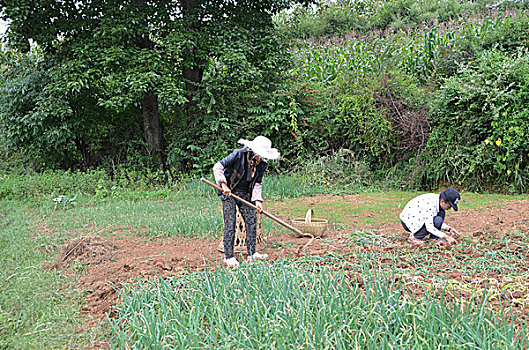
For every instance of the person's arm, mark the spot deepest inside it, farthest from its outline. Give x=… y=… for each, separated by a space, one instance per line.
x=431 y=229
x=432 y=205
x=257 y=192
x=220 y=179
x=450 y=239
x=218 y=172
x=218 y=168
x=450 y=229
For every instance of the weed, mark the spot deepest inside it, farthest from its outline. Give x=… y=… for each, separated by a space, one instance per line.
x=65 y=201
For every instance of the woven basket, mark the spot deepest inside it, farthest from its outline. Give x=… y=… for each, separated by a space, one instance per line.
x=309 y=225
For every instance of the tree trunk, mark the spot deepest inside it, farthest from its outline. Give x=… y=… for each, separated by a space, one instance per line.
x=152 y=129
x=192 y=77
x=191 y=71
x=152 y=126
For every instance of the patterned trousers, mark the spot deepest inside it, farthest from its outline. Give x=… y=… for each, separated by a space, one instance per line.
x=249 y=215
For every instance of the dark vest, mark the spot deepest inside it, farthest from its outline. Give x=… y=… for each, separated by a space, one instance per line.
x=235 y=168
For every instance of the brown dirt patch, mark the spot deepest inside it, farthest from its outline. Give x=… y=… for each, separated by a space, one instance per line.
x=109 y=262
x=85 y=250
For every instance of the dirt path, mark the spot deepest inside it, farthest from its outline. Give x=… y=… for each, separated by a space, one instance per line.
x=113 y=260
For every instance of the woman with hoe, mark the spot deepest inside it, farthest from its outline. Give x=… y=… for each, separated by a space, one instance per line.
x=241 y=173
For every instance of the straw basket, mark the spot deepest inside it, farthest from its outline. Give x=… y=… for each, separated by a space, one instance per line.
x=309 y=225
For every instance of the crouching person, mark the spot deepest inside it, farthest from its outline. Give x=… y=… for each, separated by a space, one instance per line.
x=424 y=216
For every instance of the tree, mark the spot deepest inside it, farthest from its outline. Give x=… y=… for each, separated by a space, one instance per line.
x=148 y=54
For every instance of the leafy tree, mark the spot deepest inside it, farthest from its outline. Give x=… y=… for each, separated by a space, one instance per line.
x=46 y=129
x=150 y=55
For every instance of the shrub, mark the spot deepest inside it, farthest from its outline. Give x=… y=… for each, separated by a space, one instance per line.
x=481 y=124
x=324 y=19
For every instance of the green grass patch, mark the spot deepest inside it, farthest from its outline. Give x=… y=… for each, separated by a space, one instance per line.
x=170 y=217
x=193 y=211
x=196 y=212
x=38 y=307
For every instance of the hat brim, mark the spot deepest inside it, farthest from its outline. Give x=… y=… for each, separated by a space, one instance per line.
x=266 y=153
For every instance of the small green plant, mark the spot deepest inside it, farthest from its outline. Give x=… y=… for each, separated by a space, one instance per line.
x=64 y=202
x=78 y=267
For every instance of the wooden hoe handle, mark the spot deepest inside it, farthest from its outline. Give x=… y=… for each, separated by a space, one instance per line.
x=276 y=219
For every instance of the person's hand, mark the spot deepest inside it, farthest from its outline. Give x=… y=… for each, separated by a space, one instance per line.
x=225 y=189
x=450 y=239
x=259 y=206
x=455 y=233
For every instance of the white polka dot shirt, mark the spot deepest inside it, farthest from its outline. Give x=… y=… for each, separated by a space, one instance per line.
x=420 y=211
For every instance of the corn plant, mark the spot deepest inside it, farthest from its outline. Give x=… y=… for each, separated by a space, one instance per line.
x=422 y=54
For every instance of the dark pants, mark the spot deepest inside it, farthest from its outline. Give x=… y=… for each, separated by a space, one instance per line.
x=249 y=215
x=437 y=222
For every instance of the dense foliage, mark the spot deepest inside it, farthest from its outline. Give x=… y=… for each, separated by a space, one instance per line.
x=119 y=73
x=481 y=119
x=406 y=92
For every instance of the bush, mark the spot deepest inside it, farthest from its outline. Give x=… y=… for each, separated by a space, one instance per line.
x=339 y=170
x=325 y=19
x=481 y=124
x=383 y=120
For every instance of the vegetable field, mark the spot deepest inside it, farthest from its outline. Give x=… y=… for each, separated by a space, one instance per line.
x=144 y=284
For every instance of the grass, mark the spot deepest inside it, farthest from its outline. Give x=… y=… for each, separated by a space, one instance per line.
x=286 y=187
x=195 y=211
x=301 y=305
x=172 y=217
x=378 y=207
x=38 y=307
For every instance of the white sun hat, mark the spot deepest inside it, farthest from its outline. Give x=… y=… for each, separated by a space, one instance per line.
x=262 y=146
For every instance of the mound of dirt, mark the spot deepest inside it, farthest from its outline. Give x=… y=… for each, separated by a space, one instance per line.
x=85 y=250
